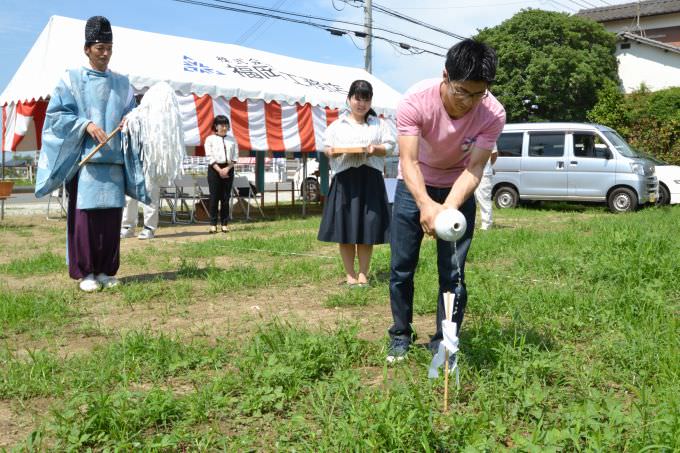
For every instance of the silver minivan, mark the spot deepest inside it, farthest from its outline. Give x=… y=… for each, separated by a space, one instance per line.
x=571 y=162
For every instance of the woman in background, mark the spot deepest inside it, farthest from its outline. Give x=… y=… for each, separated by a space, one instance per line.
x=223 y=154
x=356 y=215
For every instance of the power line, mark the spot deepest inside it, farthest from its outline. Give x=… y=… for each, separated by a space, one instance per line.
x=401 y=16
x=337 y=31
x=335 y=7
x=583 y=4
x=562 y=6
x=256 y=26
x=523 y=2
x=416 y=21
x=351 y=38
x=257 y=10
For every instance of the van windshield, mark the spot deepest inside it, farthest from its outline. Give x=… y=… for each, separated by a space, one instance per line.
x=654 y=159
x=620 y=144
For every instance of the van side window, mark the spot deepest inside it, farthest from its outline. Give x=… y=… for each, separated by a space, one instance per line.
x=510 y=145
x=546 y=144
x=584 y=145
x=601 y=149
x=589 y=145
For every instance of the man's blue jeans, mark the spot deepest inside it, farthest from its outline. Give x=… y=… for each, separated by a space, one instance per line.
x=406 y=236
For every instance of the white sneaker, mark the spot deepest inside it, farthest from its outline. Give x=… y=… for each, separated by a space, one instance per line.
x=107 y=281
x=127 y=232
x=147 y=233
x=89 y=284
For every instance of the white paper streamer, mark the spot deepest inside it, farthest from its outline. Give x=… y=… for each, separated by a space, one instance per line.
x=450 y=343
x=155 y=129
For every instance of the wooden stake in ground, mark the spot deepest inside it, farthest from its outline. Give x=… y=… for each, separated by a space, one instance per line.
x=448 y=312
x=99 y=146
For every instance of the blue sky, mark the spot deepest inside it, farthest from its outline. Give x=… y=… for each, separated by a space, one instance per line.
x=21 y=21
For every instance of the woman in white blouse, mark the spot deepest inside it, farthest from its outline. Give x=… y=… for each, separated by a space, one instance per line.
x=356 y=214
x=223 y=155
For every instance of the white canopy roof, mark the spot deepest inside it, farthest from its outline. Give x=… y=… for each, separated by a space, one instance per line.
x=191 y=66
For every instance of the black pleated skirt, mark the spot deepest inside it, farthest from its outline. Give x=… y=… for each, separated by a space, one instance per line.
x=356 y=210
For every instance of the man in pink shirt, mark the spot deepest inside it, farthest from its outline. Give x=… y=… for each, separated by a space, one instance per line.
x=447 y=129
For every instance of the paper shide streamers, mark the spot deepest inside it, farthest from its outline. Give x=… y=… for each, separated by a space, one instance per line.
x=154 y=129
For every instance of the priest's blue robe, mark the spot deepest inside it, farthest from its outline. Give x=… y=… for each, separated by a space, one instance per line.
x=82 y=96
x=97 y=189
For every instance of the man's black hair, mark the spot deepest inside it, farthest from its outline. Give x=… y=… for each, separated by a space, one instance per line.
x=471 y=60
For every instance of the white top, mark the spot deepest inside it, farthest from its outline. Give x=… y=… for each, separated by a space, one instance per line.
x=345 y=133
x=488 y=168
x=220 y=150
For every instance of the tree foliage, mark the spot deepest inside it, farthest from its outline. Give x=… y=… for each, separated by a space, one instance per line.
x=649 y=121
x=610 y=109
x=555 y=61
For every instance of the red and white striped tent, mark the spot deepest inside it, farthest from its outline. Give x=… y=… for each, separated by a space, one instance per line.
x=275 y=103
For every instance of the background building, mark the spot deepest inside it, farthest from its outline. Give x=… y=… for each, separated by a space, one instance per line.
x=648 y=50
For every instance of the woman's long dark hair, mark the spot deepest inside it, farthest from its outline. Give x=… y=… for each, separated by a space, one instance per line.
x=363 y=91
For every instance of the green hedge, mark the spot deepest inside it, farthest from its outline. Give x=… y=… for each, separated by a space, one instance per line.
x=650 y=121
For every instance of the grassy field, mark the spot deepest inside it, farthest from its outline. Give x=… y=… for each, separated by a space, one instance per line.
x=248 y=342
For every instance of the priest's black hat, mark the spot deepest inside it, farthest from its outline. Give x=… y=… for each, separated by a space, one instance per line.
x=98 y=29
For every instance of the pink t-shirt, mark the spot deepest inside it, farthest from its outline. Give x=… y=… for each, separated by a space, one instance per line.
x=444 y=144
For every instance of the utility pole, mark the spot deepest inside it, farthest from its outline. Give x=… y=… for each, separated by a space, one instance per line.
x=368 y=29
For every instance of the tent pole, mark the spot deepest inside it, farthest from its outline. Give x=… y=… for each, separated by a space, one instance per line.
x=304 y=184
x=259 y=175
x=2 y=209
x=323 y=171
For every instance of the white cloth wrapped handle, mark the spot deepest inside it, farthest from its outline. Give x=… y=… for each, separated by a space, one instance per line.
x=449 y=343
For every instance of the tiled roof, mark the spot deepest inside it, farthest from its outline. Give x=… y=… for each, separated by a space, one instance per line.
x=630 y=10
x=650 y=42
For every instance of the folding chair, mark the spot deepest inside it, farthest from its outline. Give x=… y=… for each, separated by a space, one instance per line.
x=244 y=195
x=185 y=199
x=202 y=199
x=167 y=197
x=61 y=198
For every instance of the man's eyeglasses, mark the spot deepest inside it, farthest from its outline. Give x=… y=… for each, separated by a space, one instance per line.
x=464 y=95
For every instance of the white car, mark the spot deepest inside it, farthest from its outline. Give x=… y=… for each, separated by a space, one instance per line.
x=669 y=181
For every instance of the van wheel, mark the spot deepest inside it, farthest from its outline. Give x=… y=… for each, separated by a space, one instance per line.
x=506 y=197
x=664 y=196
x=622 y=200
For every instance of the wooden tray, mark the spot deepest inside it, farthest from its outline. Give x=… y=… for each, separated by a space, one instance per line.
x=358 y=150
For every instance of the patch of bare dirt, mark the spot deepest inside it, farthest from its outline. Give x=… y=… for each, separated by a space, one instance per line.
x=26 y=236
x=67 y=344
x=18 y=419
x=55 y=281
x=204 y=315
